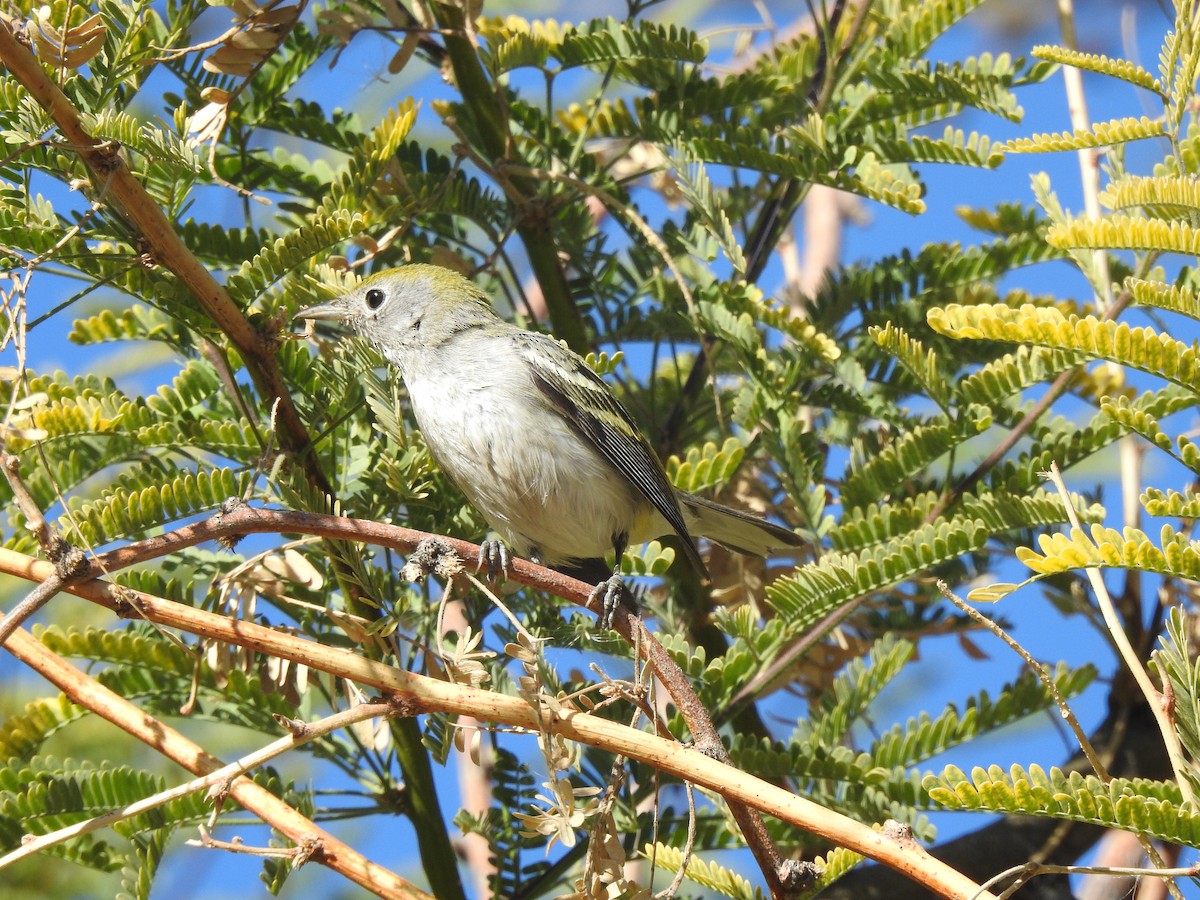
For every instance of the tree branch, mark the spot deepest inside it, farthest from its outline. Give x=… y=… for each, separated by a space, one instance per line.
x=91 y=695
x=236 y=520
x=152 y=226
x=425 y=694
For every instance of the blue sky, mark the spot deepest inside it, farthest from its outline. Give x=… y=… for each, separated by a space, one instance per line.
x=944 y=672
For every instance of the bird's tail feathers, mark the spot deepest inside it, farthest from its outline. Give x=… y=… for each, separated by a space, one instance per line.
x=739 y=531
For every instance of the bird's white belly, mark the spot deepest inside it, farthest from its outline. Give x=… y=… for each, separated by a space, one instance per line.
x=539 y=484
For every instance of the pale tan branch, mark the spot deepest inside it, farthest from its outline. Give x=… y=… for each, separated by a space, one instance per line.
x=237 y=519
x=220 y=779
x=424 y=694
x=90 y=694
x=164 y=244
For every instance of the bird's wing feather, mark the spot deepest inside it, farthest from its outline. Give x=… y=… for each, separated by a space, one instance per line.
x=584 y=400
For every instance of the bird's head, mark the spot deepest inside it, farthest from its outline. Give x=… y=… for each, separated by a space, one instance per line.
x=405 y=310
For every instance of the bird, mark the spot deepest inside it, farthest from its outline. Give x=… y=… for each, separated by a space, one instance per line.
x=532 y=436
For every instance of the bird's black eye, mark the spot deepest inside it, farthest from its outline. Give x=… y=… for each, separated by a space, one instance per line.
x=375 y=298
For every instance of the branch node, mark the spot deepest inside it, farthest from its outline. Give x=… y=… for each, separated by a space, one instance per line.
x=219 y=792
x=106 y=157
x=431 y=557
x=228 y=505
x=69 y=561
x=796 y=876
x=307 y=849
x=126 y=603
x=713 y=749
x=404 y=705
x=297 y=728
x=900 y=832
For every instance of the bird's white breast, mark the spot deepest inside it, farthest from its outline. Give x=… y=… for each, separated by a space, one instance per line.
x=538 y=482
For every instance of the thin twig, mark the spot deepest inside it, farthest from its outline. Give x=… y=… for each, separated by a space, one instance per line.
x=222 y=776
x=1028 y=870
x=35 y=519
x=33 y=601
x=1042 y=672
x=297 y=855
x=89 y=694
x=68 y=561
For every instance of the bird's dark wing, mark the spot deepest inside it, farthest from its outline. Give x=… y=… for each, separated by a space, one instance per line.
x=584 y=400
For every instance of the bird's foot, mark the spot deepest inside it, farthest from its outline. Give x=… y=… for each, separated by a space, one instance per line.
x=609 y=593
x=495 y=558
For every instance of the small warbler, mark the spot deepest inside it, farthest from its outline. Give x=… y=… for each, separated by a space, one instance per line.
x=530 y=434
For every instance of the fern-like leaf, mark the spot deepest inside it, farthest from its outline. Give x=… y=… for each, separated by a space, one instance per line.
x=1139 y=348
x=1176 y=298
x=1176 y=662
x=924 y=737
x=922 y=363
x=711 y=875
x=807 y=595
x=22 y=734
x=125 y=514
x=1142 y=806
x=284 y=254
x=1015 y=372
x=1102 y=134
x=707 y=466
x=1101 y=547
x=881 y=475
x=1163 y=197
x=1125 y=233
x=1101 y=65
x=1171 y=503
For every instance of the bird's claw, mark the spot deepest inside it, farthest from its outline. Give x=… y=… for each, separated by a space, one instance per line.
x=608 y=593
x=495 y=557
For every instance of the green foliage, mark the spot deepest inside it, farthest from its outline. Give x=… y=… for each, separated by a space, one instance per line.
x=1139 y=805
x=1176 y=664
x=809 y=594
x=131 y=513
x=1101 y=64
x=1102 y=134
x=44 y=794
x=706 y=466
x=710 y=875
x=624 y=183
x=23 y=734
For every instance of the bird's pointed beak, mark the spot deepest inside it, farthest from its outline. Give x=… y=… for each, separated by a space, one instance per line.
x=331 y=311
